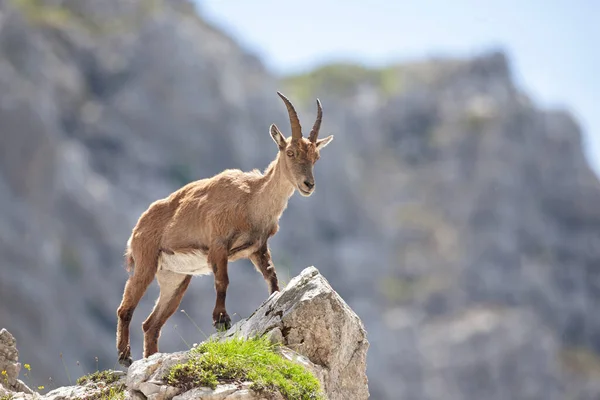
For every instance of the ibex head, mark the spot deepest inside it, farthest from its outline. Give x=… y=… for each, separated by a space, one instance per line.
x=300 y=154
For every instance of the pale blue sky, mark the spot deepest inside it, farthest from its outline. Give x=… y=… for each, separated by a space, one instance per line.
x=554 y=45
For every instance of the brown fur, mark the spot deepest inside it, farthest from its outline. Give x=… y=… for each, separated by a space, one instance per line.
x=227 y=217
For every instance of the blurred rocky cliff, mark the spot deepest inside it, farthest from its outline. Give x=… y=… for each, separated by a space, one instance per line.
x=459 y=220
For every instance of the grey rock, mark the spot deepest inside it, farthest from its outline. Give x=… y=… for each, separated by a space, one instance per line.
x=222 y=392
x=151 y=370
x=226 y=392
x=71 y=392
x=164 y=392
x=318 y=324
x=134 y=395
x=275 y=336
x=16 y=395
x=10 y=365
x=88 y=390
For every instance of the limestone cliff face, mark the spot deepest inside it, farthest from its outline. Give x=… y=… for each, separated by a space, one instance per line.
x=480 y=199
x=446 y=199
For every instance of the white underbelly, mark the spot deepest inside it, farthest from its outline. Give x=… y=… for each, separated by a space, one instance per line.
x=189 y=263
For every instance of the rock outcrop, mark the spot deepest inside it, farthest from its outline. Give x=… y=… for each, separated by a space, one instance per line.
x=10 y=366
x=312 y=323
x=309 y=317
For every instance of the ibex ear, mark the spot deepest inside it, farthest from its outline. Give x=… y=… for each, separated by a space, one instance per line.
x=324 y=142
x=278 y=137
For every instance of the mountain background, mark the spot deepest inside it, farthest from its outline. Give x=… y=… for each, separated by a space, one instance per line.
x=454 y=214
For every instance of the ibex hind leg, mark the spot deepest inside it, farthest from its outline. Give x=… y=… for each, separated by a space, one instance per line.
x=134 y=290
x=172 y=288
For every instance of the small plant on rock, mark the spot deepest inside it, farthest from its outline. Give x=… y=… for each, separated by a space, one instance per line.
x=240 y=360
x=106 y=382
x=108 y=377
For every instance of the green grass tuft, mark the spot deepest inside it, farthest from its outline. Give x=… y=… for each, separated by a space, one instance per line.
x=239 y=360
x=112 y=393
x=106 y=382
x=108 y=377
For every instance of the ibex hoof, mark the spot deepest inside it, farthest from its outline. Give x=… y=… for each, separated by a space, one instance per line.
x=125 y=361
x=223 y=323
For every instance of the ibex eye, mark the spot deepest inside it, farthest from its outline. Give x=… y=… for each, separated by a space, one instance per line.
x=290 y=153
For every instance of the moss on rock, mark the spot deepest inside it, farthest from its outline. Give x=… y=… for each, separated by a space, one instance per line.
x=241 y=360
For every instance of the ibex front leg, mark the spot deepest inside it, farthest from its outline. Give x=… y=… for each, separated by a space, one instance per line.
x=217 y=257
x=263 y=263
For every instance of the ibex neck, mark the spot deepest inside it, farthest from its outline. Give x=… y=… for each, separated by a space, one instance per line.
x=274 y=190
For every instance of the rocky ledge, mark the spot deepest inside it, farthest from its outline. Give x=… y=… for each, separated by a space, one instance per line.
x=312 y=324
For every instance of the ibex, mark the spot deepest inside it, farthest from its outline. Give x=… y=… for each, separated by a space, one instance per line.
x=207 y=223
